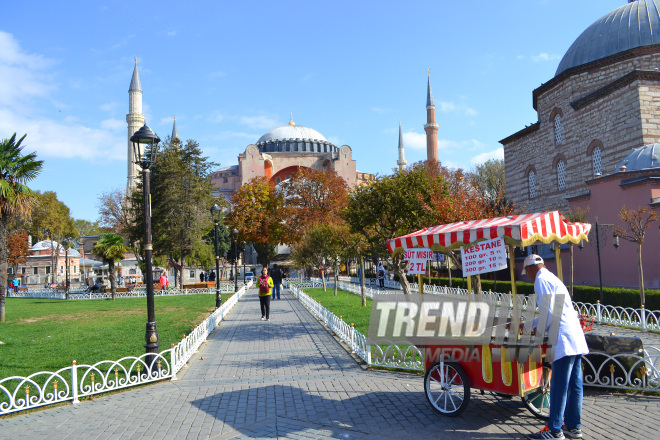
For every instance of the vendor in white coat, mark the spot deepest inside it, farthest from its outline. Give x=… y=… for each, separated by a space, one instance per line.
x=566 y=381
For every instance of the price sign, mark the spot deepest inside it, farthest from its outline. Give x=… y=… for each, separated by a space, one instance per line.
x=416 y=259
x=485 y=256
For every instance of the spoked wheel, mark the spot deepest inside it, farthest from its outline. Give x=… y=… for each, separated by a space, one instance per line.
x=447 y=388
x=538 y=401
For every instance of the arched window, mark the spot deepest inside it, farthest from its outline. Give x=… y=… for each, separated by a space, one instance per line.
x=559 y=131
x=561 y=175
x=597 y=161
x=531 y=178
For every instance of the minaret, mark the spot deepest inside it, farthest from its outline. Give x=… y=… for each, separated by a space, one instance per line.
x=175 y=135
x=402 y=159
x=135 y=120
x=431 y=127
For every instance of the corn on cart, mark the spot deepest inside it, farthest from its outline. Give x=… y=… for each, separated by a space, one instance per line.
x=448 y=384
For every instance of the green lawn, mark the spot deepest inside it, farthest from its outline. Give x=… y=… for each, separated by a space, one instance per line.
x=346 y=304
x=46 y=335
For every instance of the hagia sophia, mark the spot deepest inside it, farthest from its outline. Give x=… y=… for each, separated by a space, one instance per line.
x=279 y=153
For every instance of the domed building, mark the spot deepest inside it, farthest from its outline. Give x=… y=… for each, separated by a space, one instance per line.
x=601 y=103
x=279 y=153
x=584 y=151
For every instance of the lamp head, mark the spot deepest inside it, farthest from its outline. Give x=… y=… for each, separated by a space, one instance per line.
x=215 y=212
x=235 y=234
x=616 y=241
x=145 y=156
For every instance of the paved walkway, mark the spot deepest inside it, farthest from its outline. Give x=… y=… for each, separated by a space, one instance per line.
x=290 y=379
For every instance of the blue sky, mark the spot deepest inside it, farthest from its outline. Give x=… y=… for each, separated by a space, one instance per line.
x=231 y=71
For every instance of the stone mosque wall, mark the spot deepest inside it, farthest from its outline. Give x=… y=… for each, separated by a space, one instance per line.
x=613 y=104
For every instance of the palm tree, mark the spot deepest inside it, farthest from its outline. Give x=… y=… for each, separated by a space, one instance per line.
x=110 y=248
x=16 y=199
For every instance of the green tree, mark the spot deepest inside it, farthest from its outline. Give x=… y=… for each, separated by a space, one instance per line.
x=488 y=178
x=320 y=246
x=390 y=206
x=85 y=228
x=16 y=199
x=110 y=248
x=181 y=198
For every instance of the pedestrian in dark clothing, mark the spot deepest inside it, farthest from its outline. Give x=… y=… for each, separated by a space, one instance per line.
x=201 y=277
x=276 y=275
x=212 y=277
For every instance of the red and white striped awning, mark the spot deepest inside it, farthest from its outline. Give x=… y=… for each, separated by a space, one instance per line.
x=519 y=230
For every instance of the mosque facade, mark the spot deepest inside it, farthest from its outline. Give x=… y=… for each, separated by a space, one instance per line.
x=602 y=102
x=594 y=143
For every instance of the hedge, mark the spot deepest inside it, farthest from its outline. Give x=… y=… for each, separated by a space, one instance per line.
x=613 y=296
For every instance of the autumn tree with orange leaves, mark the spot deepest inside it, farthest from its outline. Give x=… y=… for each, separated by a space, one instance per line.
x=312 y=197
x=257 y=211
x=17 y=248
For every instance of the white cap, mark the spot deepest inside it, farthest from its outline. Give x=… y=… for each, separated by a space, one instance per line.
x=530 y=260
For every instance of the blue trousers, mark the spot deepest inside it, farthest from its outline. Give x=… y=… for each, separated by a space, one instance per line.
x=566 y=393
x=276 y=290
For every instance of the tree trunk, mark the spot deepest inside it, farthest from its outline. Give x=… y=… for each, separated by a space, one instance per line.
x=322 y=274
x=641 y=274
x=3 y=264
x=477 y=285
x=111 y=275
x=363 y=289
x=398 y=269
x=336 y=272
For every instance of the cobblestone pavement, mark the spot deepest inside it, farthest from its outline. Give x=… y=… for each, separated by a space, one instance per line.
x=290 y=379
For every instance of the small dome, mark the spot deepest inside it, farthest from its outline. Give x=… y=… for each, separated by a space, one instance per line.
x=52 y=245
x=286 y=132
x=642 y=158
x=632 y=25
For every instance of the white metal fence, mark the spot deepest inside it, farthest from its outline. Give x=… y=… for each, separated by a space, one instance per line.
x=79 y=293
x=76 y=381
x=619 y=371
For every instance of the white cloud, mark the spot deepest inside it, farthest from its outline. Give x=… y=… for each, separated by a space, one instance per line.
x=25 y=90
x=545 y=57
x=259 y=122
x=217 y=74
x=113 y=124
x=381 y=109
x=483 y=157
x=110 y=106
x=461 y=109
x=335 y=140
x=171 y=33
x=306 y=78
x=123 y=42
x=167 y=120
x=416 y=141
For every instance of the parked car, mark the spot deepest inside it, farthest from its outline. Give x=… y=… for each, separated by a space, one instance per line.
x=249 y=276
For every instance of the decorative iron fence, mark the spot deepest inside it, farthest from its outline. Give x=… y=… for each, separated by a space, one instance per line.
x=136 y=292
x=619 y=371
x=76 y=381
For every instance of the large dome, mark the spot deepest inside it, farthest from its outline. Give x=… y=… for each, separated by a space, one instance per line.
x=291 y=132
x=294 y=139
x=642 y=158
x=633 y=25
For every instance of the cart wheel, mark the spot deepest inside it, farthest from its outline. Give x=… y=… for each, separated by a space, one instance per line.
x=538 y=401
x=447 y=388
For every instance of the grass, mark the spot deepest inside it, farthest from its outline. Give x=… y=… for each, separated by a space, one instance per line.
x=346 y=304
x=46 y=335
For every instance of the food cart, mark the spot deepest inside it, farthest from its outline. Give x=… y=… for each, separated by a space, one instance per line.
x=447 y=385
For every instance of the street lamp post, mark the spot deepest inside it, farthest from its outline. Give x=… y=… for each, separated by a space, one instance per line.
x=616 y=246
x=243 y=245
x=65 y=242
x=234 y=239
x=215 y=215
x=144 y=159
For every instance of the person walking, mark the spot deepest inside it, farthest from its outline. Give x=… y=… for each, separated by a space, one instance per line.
x=163 y=281
x=276 y=275
x=201 y=277
x=566 y=382
x=381 y=276
x=265 y=286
